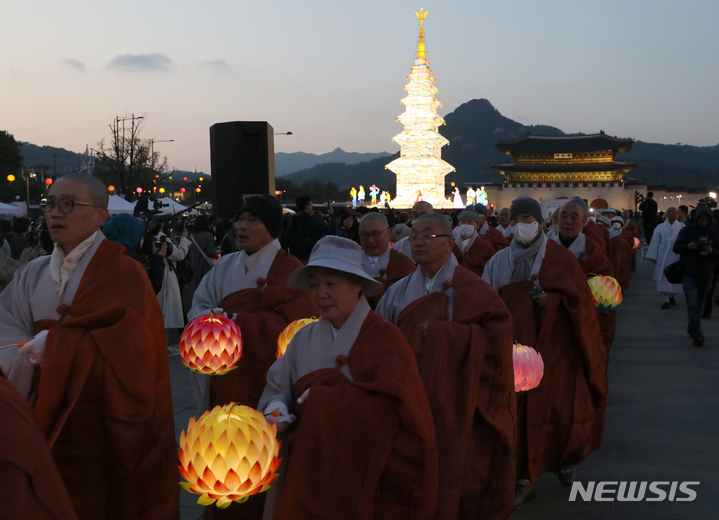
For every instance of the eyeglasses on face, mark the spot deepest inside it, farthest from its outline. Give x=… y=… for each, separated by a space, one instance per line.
x=374 y=235
x=64 y=205
x=424 y=238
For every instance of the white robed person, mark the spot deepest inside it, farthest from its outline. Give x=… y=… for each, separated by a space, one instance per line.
x=170 y=297
x=660 y=252
x=350 y=391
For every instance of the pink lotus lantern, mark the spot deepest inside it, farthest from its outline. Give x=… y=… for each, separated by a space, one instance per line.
x=286 y=335
x=528 y=368
x=637 y=243
x=211 y=344
x=606 y=291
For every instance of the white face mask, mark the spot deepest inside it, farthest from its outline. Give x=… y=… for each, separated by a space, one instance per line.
x=525 y=233
x=617 y=225
x=466 y=230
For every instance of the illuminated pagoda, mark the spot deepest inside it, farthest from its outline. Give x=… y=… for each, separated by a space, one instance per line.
x=420 y=169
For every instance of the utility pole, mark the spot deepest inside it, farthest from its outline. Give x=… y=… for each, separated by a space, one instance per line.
x=121 y=150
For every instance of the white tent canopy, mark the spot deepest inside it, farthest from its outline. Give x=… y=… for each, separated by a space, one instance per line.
x=117 y=204
x=7 y=209
x=172 y=206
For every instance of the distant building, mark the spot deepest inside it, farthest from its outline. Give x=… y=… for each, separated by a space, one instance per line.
x=556 y=168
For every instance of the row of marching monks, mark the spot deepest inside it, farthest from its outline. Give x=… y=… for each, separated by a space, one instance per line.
x=436 y=378
x=465 y=437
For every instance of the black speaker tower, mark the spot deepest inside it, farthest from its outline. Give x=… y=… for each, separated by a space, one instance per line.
x=242 y=159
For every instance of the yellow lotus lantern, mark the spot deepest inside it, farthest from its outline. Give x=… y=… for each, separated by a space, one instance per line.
x=211 y=344
x=286 y=336
x=606 y=291
x=228 y=455
x=528 y=368
x=637 y=243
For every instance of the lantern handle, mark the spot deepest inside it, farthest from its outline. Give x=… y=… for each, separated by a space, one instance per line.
x=18 y=345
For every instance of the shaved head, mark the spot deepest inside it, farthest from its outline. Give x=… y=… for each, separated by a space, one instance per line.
x=572 y=206
x=421 y=208
x=373 y=217
x=444 y=226
x=374 y=233
x=96 y=188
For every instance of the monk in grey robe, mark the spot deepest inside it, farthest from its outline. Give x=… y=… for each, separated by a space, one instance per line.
x=361 y=439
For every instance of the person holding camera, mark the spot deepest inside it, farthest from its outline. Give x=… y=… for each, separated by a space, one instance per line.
x=698 y=247
x=169 y=296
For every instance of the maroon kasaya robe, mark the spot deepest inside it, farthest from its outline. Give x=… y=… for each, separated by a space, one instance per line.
x=363 y=449
x=561 y=421
x=633 y=229
x=104 y=398
x=495 y=238
x=467 y=370
x=597 y=233
x=261 y=316
x=595 y=262
x=621 y=252
x=30 y=485
x=477 y=256
x=399 y=266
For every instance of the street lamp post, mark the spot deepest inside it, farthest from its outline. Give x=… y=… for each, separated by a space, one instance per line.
x=152 y=150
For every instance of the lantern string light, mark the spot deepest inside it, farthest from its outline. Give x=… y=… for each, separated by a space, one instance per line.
x=420 y=169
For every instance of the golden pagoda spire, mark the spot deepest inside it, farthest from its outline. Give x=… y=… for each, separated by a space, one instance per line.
x=421 y=50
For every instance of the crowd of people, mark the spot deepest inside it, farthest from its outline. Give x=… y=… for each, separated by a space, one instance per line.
x=399 y=402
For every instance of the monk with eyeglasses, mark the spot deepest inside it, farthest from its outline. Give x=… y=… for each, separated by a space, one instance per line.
x=461 y=334
x=96 y=366
x=381 y=262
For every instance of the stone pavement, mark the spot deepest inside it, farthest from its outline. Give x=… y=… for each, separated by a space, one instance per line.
x=662 y=421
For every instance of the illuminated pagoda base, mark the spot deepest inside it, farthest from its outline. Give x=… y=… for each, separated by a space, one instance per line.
x=420 y=169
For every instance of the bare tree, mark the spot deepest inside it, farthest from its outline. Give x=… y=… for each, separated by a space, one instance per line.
x=129 y=162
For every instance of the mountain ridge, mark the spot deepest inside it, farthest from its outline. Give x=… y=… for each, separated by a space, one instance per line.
x=286 y=163
x=475 y=127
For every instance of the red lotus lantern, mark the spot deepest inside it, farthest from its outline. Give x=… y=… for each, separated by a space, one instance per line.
x=606 y=291
x=182 y=190
x=211 y=344
x=528 y=368
x=228 y=455
x=637 y=243
x=48 y=181
x=286 y=336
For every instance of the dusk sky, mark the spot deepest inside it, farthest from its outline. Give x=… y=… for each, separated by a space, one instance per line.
x=332 y=72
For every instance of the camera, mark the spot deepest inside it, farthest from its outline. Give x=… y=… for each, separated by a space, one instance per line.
x=156 y=205
x=703 y=242
x=159 y=240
